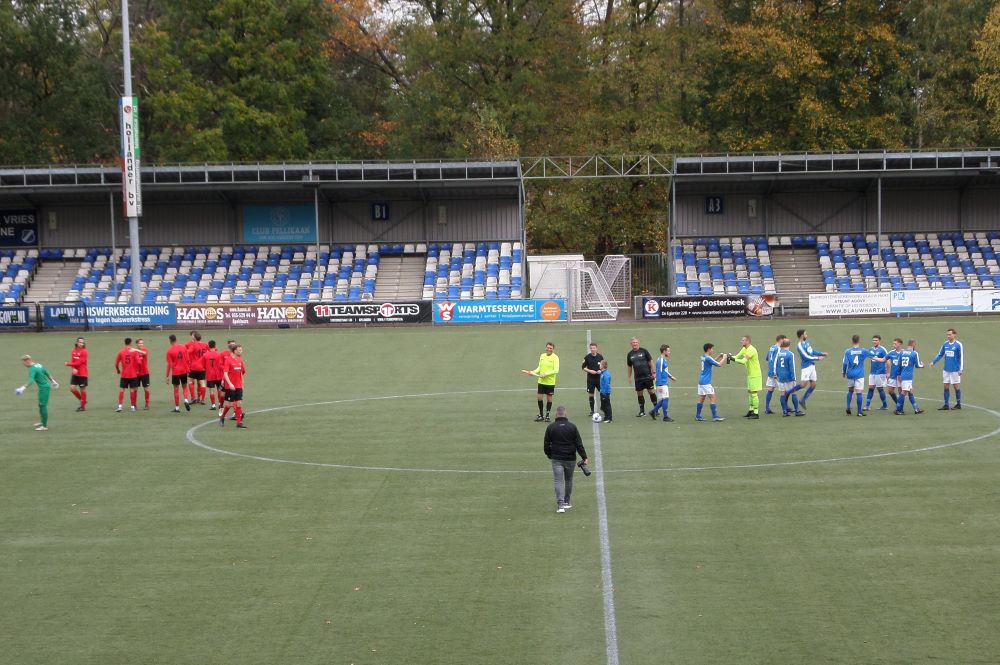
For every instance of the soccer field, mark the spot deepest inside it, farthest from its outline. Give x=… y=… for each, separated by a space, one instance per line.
x=390 y=503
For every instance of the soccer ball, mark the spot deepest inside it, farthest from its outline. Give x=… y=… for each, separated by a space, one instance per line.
x=597 y=417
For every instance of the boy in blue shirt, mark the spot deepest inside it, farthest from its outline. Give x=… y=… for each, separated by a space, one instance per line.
x=853 y=369
x=954 y=366
x=663 y=377
x=605 y=390
x=909 y=360
x=705 y=388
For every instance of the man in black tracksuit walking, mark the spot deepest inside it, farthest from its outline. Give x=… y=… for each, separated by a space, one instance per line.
x=562 y=444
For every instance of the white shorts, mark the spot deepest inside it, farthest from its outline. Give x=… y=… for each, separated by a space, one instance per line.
x=808 y=373
x=952 y=378
x=772 y=382
x=857 y=384
x=876 y=380
x=662 y=392
x=892 y=383
x=905 y=385
x=705 y=389
x=787 y=386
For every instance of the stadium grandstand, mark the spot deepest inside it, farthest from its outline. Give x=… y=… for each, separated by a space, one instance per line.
x=785 y=225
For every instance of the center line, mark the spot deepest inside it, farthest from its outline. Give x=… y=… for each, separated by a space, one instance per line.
x=607 y=586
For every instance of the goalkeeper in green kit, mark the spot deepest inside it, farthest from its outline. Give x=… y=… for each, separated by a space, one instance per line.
x=37 y=374
x=747 y=356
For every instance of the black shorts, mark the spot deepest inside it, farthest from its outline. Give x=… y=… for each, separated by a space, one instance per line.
x=645 y=383
x=179 y=379
x=132 y=383
x=233 y=395
x=197 y=374
x=215 y=384
x=546 y=390
x=144 y=380
x=593 y=383
x=78 y=381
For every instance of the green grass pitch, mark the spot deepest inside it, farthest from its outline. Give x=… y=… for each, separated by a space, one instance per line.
x=151 y=537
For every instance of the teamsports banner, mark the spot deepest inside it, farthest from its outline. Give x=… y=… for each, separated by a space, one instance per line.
x=850 y=304
x=932 y=300
x=499 y=311
x=14 y=317
x=279 y=223
x=258 y=315
x=986 y=301
x=74 y=316
x=673 y=307
x=18 y=228
x=369 y=312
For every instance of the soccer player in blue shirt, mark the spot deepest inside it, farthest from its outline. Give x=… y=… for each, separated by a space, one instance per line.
x=810 y=357
x=909 y=360
x=783 y=367
x=877 y=375
x=772 y=378
x=663 y=377
x=954 y=366
x=705 y=388
x=605 y=390
x=853 y=369
x=892 y=366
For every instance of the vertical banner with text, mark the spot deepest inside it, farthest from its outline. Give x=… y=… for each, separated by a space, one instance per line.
x=131 y=180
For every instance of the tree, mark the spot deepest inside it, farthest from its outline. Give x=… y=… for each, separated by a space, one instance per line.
x=988 y=51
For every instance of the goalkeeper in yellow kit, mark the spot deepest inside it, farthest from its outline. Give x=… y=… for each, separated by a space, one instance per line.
x=547 y=370
x=747 y=356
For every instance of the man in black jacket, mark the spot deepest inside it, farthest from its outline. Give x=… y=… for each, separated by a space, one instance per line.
x=562 y=443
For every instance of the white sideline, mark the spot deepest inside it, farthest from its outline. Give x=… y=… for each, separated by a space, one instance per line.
x=607 y=585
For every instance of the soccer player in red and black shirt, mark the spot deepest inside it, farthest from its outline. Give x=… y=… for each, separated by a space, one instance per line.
x=177 y=371
x=126 y=365
x=233 y=370
x=143 y=363
x=196 y=367
x=78 y=364
x=213 y=373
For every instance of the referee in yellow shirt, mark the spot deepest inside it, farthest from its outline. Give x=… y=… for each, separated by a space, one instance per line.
x=548 y=368
x=747 y=356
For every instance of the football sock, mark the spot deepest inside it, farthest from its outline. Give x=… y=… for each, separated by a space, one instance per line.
x=540 y=411
x=913 y=401
x=225 y=410
x=881 y=394
x=76 y=393
x=548 y=408
x=795 y=401
x=591 y=400
x=201 y=393
x=715 y=410
x=656 y=407
x=665 y=403
x=850 y=394
x=947 y=396
x=147 y=396
x=767 y=400
x=43 y=411
x=177 y=396
x=697 y=412
x=784 y=402
x=755 y=402
x=652 y=397
x=83 y=398
x=900 y=401
x=132 y=395
x=121 y=396
x=868 y=399
x=642 y=402
x=958 y=396
x=859 y=402
x=239 y=414
x=809 y=392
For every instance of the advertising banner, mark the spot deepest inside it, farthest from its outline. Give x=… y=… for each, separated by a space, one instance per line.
x=931 y=300
x=279 y=223
x=14 y=317
x=128 y=108
x=986 y=301
x=242 y=316
x=849 y=304
x=76 y=316
x=18 y=228
x=369 y=312
x=672 y=307
x=499 y=311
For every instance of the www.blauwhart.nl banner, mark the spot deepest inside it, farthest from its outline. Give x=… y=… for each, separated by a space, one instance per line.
x=73 y=316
